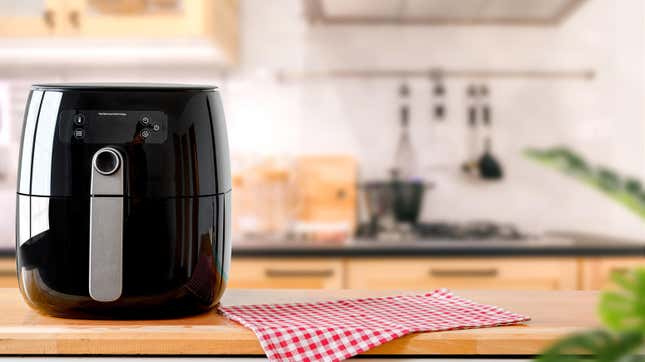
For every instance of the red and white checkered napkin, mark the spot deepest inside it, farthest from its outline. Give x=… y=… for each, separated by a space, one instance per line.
x=336 y=330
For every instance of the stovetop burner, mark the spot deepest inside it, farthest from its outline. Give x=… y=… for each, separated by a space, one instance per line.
x=476 y=230
x=440 y=230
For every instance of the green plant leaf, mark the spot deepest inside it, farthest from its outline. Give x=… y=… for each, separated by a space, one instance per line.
x=598 y=345
x=627 y=191
x=624 y=310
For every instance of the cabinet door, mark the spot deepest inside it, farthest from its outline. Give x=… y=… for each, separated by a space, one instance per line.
x=596 y=272
x=481 y=273
x=285 y=273
x=29 y=18
x=148 y=18
x=8 y=277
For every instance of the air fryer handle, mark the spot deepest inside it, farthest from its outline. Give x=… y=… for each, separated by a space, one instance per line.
x=106 y=225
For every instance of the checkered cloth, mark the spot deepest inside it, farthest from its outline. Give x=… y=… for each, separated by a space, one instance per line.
x=336 y=330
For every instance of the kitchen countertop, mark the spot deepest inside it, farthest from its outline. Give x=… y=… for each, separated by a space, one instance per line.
x=557 y=244
x=24 y=331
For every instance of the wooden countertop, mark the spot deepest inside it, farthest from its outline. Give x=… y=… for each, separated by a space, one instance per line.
x=24 y=331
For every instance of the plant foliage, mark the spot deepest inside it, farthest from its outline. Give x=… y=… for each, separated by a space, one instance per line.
x=622 y=311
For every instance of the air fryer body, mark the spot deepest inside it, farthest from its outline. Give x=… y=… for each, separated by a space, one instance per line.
x=157 y=244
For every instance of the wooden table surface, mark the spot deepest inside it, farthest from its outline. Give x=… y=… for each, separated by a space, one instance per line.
x=24 y=331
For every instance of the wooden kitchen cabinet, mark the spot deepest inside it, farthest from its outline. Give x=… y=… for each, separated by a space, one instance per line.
x=30 y=18
x=8 y=277
x=595 y=273
x=210 y=21
x=463 y=273
x=586 y=273
x=281 y=273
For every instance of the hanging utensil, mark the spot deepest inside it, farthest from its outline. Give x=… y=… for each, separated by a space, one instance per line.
x=405 y=156
x=489 y=167
x=438 y=93
x=470 y=165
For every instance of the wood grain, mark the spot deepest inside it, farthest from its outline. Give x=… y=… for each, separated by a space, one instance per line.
x=463 y=273
x=310 y=273
x=326 y=186
x=596 y=273
x=23 y=331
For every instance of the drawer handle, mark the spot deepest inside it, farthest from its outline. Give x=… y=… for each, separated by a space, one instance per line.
x=477 y=273
x=286 y=273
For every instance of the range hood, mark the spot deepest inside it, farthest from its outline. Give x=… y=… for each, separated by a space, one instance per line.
x=441 y=12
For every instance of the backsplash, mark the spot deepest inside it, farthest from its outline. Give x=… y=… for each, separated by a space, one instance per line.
x=603 y=119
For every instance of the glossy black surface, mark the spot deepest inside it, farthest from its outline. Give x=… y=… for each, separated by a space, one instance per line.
x=192 y=161
x=124 y=86
x=176 y=198
x=176 y=254
x=83 y=126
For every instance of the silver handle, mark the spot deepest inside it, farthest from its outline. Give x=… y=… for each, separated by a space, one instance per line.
x=106 y=226
x=477 y=273
x=290 y=273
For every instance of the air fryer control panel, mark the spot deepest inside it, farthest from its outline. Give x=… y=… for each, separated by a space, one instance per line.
x=112 y=127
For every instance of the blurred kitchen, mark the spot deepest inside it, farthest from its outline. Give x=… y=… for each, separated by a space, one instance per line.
x=383 y=144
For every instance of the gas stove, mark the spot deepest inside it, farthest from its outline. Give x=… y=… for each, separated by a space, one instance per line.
x=474 y=231
x=477 y=230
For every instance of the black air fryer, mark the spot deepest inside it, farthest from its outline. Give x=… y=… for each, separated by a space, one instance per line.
x=124 y=199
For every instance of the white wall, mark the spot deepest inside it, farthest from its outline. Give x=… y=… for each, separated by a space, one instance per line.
x=602 y=119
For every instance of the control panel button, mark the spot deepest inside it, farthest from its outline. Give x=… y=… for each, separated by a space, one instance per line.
x=79 y=119
x=79 y=133
x=145 y=120
x=156 y=127
x=145 y=133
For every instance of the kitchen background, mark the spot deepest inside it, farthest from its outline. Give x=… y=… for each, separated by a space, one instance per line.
x=314 y=91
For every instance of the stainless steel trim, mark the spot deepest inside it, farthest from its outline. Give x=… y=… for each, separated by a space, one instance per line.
x=107 y=184
x=113 y=153
x=106 y=231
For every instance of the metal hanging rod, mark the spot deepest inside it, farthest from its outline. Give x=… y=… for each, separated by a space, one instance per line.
x=584 y=74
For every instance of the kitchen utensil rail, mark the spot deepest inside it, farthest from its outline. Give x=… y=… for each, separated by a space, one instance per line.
x=574 y=74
